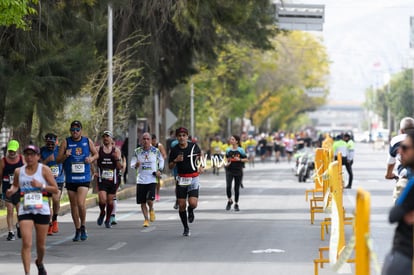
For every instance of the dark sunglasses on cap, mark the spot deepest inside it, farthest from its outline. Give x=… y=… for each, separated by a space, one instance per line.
x=75 y=129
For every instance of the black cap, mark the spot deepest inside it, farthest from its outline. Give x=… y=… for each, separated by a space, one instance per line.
x=76 y=123
x=50 y=137
x=181 y=130
x=404 y=204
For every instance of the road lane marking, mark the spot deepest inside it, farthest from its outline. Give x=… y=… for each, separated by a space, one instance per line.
x=74 y=270
x=117 y=246
x=269 y=250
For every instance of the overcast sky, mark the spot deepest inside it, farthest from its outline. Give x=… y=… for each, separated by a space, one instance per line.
x=365 y=39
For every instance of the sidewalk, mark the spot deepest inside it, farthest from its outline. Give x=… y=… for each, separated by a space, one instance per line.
x=128 y=190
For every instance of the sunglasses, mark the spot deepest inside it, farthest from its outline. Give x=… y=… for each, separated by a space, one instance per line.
x=405 y=147
x=75 y=129
x=181 y=135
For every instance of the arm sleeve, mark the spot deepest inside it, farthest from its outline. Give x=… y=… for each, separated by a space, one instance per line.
x=160 y=161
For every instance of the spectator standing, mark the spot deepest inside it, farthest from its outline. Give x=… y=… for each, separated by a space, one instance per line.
x=393 y=158
x=400 y=259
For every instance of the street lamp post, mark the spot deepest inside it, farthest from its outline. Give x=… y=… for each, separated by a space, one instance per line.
x=110 y=77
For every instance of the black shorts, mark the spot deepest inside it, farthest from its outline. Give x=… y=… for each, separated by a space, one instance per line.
x=74 y=186
x=108 y=187
x=14 y=199
x=145 y=192
x=60 y=185
x=36 y=218
x=184 y=191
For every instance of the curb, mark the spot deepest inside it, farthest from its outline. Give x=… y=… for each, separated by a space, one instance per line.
x=126 y=192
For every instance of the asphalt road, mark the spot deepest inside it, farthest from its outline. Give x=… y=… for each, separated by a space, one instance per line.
x=271 y=234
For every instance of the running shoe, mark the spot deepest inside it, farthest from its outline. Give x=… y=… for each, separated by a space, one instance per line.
x=41 y=268
x=84 y=233
x=190 y=215
x=55 y=227
x=146 y=223
x=77 y=235
x=157 y=197
x=100 y=219
x=236 y=207
x=228 y=206
x=152 y=215
x=11 y=236
x=113 y=220
x=108 y=224
x=187 y=232
x=19 y=233
x=50 y=230
x=176 y=205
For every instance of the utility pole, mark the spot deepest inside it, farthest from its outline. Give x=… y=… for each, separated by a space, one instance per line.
x=110 y=79
x=192 y=109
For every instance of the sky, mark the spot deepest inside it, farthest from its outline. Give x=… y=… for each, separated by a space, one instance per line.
x=366 y=40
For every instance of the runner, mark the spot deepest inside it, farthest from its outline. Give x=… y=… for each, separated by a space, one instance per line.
x=250 y=147
x=109 y=164
x=77 y=153
x=8 y=164
x=236 y=157
x=48 y=155
x=216 y=155
x=184 y=156
x=35 y=181
x=149 y=162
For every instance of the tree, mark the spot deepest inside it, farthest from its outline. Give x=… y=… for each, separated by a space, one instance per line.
x=400 y=99
x=45 y=65
x=15 y=13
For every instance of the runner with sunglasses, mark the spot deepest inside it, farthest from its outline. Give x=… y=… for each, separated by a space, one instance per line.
x=77 y=152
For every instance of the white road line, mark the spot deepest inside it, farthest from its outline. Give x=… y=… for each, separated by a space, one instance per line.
x=74 y=270
x=269 y=250
x=117 y=246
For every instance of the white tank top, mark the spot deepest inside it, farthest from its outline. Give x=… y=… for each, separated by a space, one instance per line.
x=32 y=200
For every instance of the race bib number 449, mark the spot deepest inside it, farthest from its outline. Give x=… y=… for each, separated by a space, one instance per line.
x=32 y=200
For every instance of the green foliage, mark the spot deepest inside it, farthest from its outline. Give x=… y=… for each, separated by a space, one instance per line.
x=400 y=98
x=15 y=12
x=46 y=65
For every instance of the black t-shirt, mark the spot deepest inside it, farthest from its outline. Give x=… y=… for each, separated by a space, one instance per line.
x=235 y=167
x=186 y=166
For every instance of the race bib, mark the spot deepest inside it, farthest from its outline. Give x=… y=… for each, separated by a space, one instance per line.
x=55 y=170
x=78 y=168
x=33 y=200
x=184 y=181
x=108 y=174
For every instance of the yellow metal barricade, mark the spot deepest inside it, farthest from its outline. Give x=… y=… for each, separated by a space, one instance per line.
x=337 y=241
x=319 y=192
x=362 y=220
x=327 y=221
